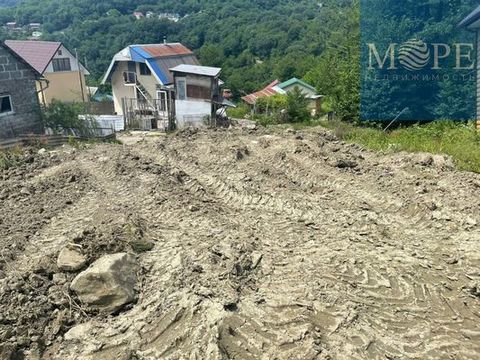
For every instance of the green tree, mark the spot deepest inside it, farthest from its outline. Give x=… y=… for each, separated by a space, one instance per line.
x=297 y=106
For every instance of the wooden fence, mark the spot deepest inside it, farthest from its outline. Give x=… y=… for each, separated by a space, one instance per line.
x=45 y=140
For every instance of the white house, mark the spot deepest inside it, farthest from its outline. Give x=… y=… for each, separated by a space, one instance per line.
x=156 y=85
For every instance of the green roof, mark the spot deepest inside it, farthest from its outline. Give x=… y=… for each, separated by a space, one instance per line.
x=294 y=81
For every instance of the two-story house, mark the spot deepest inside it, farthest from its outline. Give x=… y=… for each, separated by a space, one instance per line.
x=142 y=83
x=65 y=75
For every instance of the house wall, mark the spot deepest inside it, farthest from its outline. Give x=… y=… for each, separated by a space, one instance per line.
x=192 y=112
x=18 y=81
x=149 y=82
x=305 y=90
x=65 y=54
x=66 y=86
x=120 y=91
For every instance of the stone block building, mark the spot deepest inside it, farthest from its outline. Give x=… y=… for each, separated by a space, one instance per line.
x=19 y=106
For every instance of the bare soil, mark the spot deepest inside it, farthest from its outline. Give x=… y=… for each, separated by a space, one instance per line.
x=253 y=244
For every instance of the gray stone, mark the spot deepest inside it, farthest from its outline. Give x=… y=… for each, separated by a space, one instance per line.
x=71 y=258
x=78 y=332
x=108 y=284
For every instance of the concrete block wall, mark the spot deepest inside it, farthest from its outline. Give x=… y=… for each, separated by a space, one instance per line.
x=19 y=81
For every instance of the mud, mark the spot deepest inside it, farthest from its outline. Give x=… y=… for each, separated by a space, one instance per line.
x=253 y=244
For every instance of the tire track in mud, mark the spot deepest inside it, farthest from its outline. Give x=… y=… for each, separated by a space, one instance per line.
x=291 y=259
x=379 y=287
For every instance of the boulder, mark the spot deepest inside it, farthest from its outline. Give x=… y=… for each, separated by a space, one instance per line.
x=108 y=284
x=71 y=258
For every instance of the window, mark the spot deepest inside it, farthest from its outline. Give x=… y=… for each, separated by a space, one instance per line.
x=59 y=53
x=5 y=105
x=198 y=92
x=182 y=89
x=144 y=69
x=61 y=65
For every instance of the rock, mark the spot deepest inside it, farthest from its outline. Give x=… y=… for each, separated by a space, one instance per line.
x=42 y=151
x=345 y=164
x=443 y=161
x=78 y=332
x=424 y=159
x=109 y=283
x=71 y=258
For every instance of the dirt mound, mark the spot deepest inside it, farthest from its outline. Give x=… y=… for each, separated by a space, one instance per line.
x=252 y=243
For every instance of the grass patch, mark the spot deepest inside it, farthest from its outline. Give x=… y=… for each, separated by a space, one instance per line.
x=459 y=140
x=11 y=158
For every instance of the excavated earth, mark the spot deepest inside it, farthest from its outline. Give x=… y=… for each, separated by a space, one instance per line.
x=252 y=244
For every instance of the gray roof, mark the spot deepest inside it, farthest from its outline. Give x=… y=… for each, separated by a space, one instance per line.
x=472 y=18
x=197 y=70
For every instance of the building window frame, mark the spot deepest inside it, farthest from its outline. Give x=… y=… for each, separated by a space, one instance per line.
x=144 y=70
x=10 y=110
x=61 y=65
x=181 y=88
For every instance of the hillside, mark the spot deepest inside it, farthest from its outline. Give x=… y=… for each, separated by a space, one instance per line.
x=254 y=41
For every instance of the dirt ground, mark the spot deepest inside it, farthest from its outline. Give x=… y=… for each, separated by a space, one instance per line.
x=267 y=244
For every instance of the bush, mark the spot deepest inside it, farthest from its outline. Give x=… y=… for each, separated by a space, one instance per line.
x=240 y=112
x=297 y=106
x=61 y=117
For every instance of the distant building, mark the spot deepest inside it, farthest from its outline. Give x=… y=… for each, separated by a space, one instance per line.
x=197 y=94
x=472 y=23
x=138 y=15
x=276 y=87
x=11 y=25
x=149 y=14
x=34 y=26
x=170 y=16
x=160 y=85
x=19 y=106
x=64 y=73
x=36 y=35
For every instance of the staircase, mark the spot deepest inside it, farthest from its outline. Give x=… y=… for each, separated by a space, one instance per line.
x=141 y=89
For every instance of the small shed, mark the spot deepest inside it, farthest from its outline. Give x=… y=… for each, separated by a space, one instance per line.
x=472 y=23
x=197 y=94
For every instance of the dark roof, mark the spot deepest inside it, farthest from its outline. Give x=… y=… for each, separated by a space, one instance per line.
x=20 y=59
x=470 y=19
x=37 y=53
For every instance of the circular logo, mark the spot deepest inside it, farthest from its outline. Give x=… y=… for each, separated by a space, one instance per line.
x=414 y=55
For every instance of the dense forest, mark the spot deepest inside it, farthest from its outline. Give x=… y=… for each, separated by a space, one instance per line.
x=253 y=41
x=7 y=3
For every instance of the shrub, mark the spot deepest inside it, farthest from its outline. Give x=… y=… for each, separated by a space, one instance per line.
x=297 y=106
x=61 y=117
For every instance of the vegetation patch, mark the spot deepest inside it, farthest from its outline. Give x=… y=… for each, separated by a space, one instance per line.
x=458 y=139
